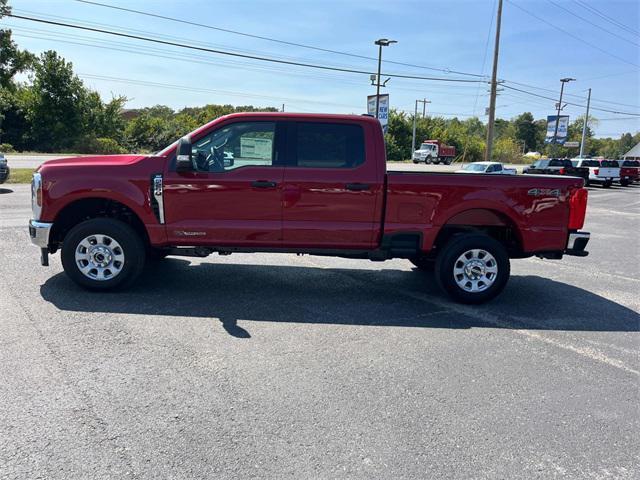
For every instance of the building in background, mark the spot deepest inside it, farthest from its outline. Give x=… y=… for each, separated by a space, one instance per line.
x=633 y=154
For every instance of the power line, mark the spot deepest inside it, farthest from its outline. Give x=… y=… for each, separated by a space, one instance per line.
x=347 y=70
x=592 y=23
x=609 y=19
x=234 y=54
x=275 y=40
x=163 y=36
x=572 y=95
x=572 y=35
x=569 y=103
x=322 y=67
x=133 y=81
x=204 y=60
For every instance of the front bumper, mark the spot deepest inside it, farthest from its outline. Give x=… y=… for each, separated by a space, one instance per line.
x=39 y=233
x=577 y=243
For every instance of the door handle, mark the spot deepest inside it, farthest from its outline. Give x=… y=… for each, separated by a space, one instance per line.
x=263 y=184
x=357 y=187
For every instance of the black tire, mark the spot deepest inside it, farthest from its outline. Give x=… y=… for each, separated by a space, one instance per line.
x=606 y=184
x=127 y=239
x=423 y=263
x=624 y=183
x=450 y=254
x=587 y=182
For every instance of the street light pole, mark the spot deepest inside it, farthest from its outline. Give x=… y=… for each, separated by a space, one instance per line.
x=584 y=126
x=378 y=79
x=382 y=42
x=562 y=82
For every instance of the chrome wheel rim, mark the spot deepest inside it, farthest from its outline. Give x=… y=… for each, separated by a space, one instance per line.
x=99 y=257
x=475 y=270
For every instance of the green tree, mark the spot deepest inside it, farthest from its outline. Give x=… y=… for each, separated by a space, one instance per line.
x=58 y=103
x=12 y=59
x=525 y=130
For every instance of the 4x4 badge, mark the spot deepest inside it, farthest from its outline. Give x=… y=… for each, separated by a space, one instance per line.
x=539 y=192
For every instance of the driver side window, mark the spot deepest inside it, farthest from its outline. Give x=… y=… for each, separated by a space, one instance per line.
x=236 y=145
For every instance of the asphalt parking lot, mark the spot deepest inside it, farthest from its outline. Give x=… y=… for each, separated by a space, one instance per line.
x=279 y=366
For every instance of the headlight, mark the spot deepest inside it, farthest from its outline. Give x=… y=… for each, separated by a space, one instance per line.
x=36 y=196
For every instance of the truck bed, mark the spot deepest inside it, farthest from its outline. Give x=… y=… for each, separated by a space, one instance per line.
x=537 y=204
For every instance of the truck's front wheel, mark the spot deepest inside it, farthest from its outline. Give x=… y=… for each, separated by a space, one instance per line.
x=103 y=254
x=473 y=268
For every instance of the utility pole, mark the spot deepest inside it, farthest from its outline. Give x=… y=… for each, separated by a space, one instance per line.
x=494 y=82
x=584 y=127
x=382 y=42
x=283 y=107
x=424 y=107
x=413 y=137
x=415 y=117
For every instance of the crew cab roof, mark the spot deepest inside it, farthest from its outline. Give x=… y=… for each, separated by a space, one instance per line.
x=362 y=119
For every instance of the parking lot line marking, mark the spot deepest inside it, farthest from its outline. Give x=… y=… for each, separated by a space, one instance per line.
x=584 y=351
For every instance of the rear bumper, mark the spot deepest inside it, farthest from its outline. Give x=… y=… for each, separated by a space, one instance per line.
x=577 y=243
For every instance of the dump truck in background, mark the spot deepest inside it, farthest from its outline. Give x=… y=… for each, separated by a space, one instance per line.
x=434 y=151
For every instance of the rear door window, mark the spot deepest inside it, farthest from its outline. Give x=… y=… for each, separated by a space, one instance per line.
x=328 y=145
x=590 y=163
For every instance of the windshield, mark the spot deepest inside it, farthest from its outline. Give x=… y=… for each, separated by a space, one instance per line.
x=474 y=167
x=631 y=163
x=426 y=146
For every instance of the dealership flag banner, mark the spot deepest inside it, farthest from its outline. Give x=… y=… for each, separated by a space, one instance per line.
x=383 y=109
x=563 y=128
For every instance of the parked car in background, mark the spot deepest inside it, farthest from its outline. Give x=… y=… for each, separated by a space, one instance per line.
x=318 y=186
x=434 y=151
x=602 y=172
x=4 y=168
x=629 y=171
x=492 y=168
x=557 y=166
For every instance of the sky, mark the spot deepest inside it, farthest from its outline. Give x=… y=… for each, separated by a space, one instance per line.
x=597 y=42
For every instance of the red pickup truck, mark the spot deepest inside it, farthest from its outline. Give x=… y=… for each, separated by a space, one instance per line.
x=294 y=183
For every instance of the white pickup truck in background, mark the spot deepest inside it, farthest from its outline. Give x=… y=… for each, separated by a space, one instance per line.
x=493 y=168
x=603 y=172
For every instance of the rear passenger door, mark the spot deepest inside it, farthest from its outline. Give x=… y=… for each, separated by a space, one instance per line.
x=332 y=188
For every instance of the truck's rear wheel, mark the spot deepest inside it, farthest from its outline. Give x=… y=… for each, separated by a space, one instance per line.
x=103 y=254
x=473 y=268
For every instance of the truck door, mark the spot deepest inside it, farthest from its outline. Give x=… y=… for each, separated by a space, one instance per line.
x=233 y=195
x=333 y=186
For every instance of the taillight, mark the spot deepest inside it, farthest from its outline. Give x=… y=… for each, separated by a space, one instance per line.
x=596 y=171
x=577 y=208
x=562 y=171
